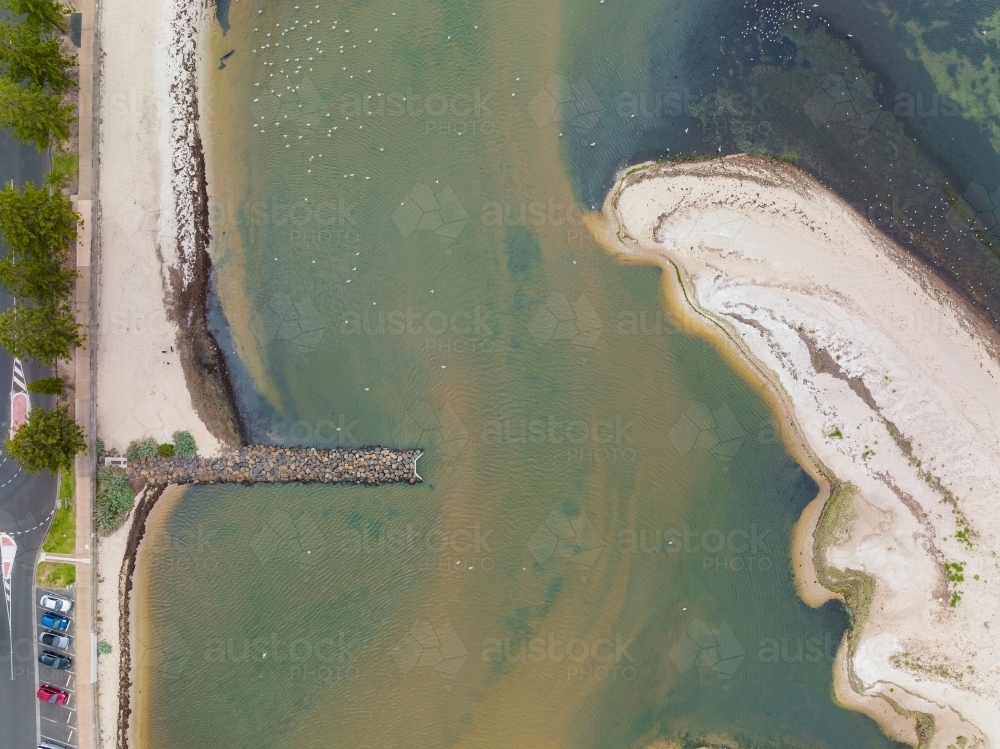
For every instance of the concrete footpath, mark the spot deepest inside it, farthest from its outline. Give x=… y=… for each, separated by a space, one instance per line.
x=86 y=633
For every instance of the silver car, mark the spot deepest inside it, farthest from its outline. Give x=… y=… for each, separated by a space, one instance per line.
x=54 y=639
x=55 y=603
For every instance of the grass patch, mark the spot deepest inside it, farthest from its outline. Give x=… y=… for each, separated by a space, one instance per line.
x=66 y=166
x=61 y=538
x=67 y=486
x=857 y=588
x=55 y=575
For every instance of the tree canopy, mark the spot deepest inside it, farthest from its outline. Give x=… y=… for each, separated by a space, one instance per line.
x=51 y=13
x=37 y=221
x=40 y=226
x=42 y=279
x=50 y=439
x=33 y=58
x=35 y=116
x=47 y=332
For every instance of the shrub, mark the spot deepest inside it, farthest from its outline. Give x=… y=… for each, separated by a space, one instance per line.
x=143 y=449
x=99 y=447
x=47 y=386
x=113 y=501
x=184 y=445
x=165 y=450
x=103 y=647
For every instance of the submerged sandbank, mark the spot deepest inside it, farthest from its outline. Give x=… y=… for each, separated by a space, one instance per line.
x=888 y=384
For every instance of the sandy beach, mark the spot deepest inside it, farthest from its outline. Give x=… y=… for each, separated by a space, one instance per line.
x=894 y=387
x=158 y=369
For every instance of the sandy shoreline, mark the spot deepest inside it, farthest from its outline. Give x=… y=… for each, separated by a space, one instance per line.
x=159 y=368
x=883 y=378
x=120 y=570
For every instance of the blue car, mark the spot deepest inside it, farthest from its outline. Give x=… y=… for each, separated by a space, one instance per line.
x=55 y=621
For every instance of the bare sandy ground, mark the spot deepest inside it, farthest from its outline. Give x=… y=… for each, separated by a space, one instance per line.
x=141 y=388
x=110 y=552
x=895 y=388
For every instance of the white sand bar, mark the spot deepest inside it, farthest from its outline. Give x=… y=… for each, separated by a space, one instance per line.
x=141 y=391
x=820 y=298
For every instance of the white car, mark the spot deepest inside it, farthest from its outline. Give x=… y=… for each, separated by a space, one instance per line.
x=55 y=603
x=54 y=639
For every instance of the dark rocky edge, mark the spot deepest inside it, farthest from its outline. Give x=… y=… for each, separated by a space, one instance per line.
x=258 y=464
x=125 y=582
x=201 y=358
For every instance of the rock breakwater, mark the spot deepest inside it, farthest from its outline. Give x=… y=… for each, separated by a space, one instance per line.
x=257 y=464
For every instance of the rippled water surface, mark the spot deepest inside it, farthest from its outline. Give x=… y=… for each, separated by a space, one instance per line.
x=599 y=554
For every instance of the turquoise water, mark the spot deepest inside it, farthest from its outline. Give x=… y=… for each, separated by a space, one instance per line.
x=401 y=258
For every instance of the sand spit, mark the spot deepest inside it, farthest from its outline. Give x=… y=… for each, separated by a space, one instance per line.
x=159 y=368
x=893 y=387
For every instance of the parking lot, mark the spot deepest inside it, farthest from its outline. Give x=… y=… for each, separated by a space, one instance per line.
x=58 y=722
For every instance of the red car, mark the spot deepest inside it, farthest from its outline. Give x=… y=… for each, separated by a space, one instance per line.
x=52 y=695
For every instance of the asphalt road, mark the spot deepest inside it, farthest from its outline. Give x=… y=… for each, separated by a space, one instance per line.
x=26 y=505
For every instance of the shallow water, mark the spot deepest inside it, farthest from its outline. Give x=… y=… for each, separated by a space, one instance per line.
x=599 y=555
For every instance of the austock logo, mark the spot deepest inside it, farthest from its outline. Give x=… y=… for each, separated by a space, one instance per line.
x=168 y=650
x=977 y=211
x=838 y=100
x=558 y=100
x=562 y=537
x=702 y=428
x=428 y=646
x=441 y=429
x=704 y=646
x=298 y=322
x=285 y=538
x=424 y=209
x=558 y=319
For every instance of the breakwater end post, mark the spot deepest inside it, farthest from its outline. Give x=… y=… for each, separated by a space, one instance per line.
x=261 y=464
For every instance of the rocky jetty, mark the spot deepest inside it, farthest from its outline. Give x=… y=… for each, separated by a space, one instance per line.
x=257 y=464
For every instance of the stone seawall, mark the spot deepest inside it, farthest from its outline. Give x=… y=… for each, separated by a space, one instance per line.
x=257 y=464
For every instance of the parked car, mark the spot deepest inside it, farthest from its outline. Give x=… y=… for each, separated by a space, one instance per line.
x=54 y=660
x=54 y=640
x=52 y=695
x=55 y=603
x=55 y=621
x=51 y=745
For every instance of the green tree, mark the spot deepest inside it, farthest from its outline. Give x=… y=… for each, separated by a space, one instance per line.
x=49 y=13
x=42 y=279
x=47 y=332
x=35 y=116
x=50 y=439
x=37 y=221
x=33 y=58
